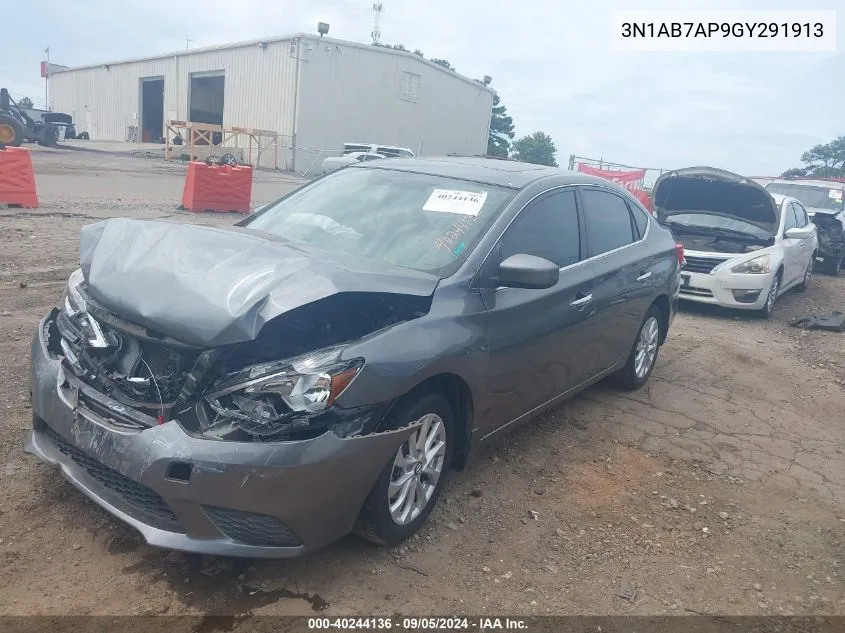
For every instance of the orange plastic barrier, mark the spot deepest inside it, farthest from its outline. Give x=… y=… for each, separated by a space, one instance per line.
x=217 y=188
x=17 y=180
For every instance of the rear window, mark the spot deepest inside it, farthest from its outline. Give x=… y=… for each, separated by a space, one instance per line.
x=811 y=196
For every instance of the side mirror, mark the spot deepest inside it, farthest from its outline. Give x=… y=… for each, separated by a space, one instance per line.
x=798 y=233
x=528 y=271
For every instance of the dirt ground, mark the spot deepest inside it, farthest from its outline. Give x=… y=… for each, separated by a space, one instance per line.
x=717 y=489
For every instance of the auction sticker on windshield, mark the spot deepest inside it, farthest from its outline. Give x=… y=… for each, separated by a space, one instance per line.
x=835 y=194
x=452 y=201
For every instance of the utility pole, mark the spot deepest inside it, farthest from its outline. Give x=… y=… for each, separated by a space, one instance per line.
x=188 y=43
x=46 y=82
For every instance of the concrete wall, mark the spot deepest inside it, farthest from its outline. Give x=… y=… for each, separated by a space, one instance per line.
x=354 y=93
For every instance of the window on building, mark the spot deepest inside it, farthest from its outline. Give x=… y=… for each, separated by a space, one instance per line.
x=409 y=86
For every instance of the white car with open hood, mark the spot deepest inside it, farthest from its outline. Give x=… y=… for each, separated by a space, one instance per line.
x=744 y=247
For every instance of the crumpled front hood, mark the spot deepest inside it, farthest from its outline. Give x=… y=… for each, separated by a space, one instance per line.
x=211 y=286
x=715 y=192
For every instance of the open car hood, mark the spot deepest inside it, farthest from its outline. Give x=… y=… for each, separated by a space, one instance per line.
x=210 y=286
x=715 y=192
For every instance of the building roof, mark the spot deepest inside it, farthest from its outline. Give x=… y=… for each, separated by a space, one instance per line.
x=492 y=171
x=280 y=38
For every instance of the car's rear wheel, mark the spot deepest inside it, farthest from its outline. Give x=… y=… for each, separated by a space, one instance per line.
x=408 y=487
x=771 y=297
x=834 y=266
x=802 y=287
x=643 y=355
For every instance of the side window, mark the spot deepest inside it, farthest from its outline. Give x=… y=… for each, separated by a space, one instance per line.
x=801 y=215
x=790 y=222
x=640 y=218
x=548 y=228
x=607 y=221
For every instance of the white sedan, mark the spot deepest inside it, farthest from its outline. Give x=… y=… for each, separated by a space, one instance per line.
x=743 y=246
x=336 y=162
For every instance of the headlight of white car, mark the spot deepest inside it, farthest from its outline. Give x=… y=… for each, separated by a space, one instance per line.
x=757 y=266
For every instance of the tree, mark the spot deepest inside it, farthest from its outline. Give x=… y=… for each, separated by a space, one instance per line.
x=442 y=62
x=25 y=102
x=418 y=53
x=395 y=47
x=795 y=172
x=826 y=161
x=537 y=148
x=501 y=130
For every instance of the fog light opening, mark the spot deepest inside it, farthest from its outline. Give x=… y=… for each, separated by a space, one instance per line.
x=746 y=296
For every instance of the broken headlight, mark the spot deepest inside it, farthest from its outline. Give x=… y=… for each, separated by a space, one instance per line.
x=74 y=303
x=267 y=398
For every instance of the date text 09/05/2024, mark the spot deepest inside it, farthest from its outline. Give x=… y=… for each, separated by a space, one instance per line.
x=418 y=624
x=723 y=29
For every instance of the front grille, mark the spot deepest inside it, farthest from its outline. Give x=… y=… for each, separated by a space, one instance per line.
x=252 y=529
x=141 y=502
x=108 y=414
x=696 y=292
x=702 y=264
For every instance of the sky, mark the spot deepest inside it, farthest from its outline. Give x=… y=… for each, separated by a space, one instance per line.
x=551 y=62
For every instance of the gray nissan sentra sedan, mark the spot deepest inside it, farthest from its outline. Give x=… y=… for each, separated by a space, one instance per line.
x=264 y=389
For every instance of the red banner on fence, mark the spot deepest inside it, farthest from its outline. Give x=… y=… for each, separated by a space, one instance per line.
x=632 y=180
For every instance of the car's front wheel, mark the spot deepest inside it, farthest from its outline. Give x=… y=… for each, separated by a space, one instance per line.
x=409 y=485
x=643 y=355
x=771 y=297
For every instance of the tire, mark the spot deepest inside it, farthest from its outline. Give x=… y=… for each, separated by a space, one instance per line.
x=635 y=374
x=11 y=131
x=49 y=135
x=834 y=266
x=772 y=297
x=802 y=287
x=376 y=523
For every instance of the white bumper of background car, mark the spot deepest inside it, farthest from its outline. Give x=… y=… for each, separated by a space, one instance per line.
x=722 y=287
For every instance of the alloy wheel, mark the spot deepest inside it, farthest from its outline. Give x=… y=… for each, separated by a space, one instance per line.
x=773 y=294
x=646 y=347
x=417 y=467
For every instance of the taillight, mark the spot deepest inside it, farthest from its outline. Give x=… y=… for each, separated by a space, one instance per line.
x=679 y=253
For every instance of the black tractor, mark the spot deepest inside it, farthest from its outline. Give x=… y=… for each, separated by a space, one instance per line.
x=16 y=126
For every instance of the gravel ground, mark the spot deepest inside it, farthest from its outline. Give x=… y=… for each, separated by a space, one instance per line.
x=717 y=489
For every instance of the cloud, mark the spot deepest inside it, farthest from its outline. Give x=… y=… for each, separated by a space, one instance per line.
x=551 y=63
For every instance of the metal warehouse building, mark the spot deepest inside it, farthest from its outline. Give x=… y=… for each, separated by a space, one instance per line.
x=317 y=93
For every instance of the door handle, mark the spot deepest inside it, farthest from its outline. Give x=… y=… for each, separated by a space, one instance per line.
x=644 y=276
x=580 y=303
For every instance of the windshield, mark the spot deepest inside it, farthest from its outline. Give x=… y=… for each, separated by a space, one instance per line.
x=704 y=221
x=428 y=223
x=810 y=195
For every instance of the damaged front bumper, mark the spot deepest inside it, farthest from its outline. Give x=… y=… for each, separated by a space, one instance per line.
x=259 y=499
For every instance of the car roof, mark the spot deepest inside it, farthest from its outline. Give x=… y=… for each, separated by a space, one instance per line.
x=491 y=171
